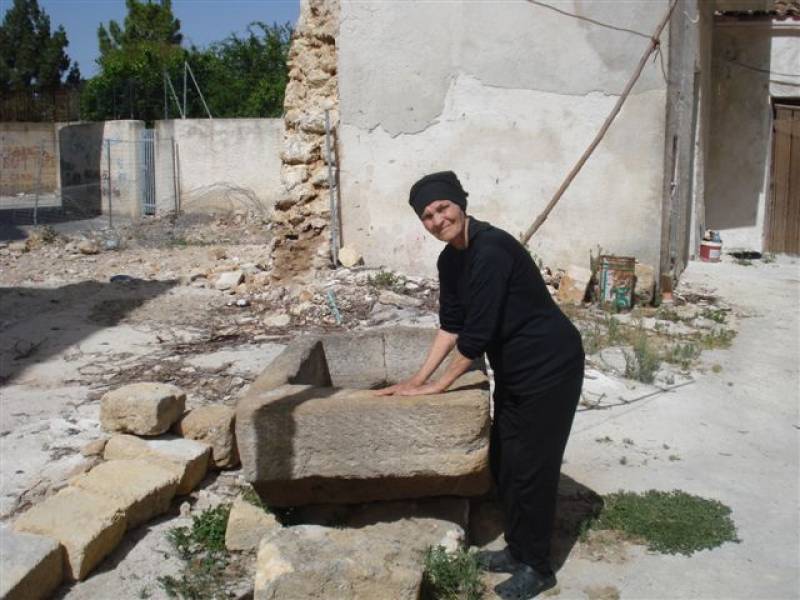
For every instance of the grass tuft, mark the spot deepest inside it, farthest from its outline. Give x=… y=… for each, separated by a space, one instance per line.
x=384 y=279
x=642 y=364
x=202 y=547
x=454 y=576
x=669 y=522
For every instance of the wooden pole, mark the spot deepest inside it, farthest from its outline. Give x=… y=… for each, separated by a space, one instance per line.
x=654 y=43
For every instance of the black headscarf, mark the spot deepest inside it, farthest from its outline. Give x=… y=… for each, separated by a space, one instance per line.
x=437 y=186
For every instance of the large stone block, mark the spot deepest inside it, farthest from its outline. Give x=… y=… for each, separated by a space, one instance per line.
x=383 y=560
x=142 y=408
x=140 y=488
x=31 y=566
x=88 y=525
x=213 y=425
x=247 y=524
x=188 y=459
x=304 y=441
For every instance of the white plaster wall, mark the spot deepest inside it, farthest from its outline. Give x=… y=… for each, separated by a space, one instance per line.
x=126 y=170
x=222 y=164
x=508 y=95
x=739 y=163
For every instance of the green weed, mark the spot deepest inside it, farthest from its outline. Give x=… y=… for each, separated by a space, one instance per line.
x=451 y=576
x=715 y=314
x=682 y=355
x=384 y=279
x=744 y=262
x=202 y=547
x=669 y=522
x=719 y=338
x=642 y=364
x=769 y=257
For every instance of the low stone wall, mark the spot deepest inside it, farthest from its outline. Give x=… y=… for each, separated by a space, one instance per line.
x=310 y=431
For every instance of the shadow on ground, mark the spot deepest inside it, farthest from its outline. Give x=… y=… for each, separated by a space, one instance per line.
x=39 y=323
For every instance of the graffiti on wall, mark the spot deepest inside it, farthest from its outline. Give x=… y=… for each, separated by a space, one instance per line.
x=27 y=169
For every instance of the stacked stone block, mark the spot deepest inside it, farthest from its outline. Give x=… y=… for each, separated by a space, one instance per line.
x=302 y=217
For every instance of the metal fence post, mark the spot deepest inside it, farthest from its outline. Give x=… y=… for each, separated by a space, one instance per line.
x=331 y=184
x=38 y=185
x=108 y=169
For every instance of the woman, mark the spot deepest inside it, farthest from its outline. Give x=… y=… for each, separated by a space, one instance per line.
x=493 y=300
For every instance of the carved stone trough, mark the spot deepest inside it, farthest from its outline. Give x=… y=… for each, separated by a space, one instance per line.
x=310 y=431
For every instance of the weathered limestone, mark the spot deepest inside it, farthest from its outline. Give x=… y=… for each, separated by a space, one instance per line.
x=383 y=560
x=304 y=441
x=31 y=566
x=88 y=525
x=301 y=217
x=187 y=459
x=141 y=489
x=213 y=425
x=572 y=287
x=142 y=408
x=247 y=525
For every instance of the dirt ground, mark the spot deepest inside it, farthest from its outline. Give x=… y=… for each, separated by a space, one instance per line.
x=726 y=428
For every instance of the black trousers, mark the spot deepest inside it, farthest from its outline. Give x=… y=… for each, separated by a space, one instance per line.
x=529 y=434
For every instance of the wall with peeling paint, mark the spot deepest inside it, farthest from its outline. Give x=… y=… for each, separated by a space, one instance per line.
x=508 y=95
x=753 y=62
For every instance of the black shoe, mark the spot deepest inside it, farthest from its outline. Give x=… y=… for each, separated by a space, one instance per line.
x=525 y=584
x=498 y=561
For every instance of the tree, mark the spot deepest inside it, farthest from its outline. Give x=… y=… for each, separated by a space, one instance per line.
x=243 y=76
x=132 y=62
x=32 y=58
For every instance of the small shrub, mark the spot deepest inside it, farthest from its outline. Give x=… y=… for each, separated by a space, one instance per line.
x=384 y=279
x=683 y=355
x=614 y=331
x=769 y=257
x=718 y=338
x=715 y=314
x=744 y=262
x=669 y=522
x=643 y=363
x=451 y=576
x=202 y=547
x=665 y=313
x=592 y=338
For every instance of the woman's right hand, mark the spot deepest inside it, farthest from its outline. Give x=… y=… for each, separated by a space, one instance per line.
x=397 y=388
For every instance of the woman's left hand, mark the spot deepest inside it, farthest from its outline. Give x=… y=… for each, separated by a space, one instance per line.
x=423 y=390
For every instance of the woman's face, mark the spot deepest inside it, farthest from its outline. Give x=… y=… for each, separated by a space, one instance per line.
x=444 y=220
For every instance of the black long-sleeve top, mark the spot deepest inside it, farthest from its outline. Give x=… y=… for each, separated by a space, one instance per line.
x=492 y=295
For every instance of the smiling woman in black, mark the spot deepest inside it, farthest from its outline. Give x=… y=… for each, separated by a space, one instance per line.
x=493 y=300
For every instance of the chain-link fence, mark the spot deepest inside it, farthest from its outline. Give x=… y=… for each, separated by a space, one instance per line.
x=75 y=173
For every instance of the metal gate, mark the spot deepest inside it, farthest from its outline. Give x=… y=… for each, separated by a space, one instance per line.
x=148 y=172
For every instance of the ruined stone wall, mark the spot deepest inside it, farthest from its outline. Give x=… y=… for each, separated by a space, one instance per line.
x=302 y=216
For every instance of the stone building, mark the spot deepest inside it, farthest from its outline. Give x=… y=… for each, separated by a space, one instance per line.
x=510 y=94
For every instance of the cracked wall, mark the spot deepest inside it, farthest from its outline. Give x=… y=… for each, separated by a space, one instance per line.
x=507 y=95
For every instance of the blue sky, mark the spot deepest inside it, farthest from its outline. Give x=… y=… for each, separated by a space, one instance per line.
x=202 y=21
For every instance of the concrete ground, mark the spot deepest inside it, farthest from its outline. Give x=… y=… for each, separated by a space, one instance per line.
x=733 y=436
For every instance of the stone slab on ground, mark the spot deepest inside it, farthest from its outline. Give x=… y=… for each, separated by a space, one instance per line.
x=247 y=524
x=189 y=459
x=213 y=425
x=88 y=525
x=384 y=560
x=31 y=566
x=142 y=489
x=142 y=408
x=304 y=445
